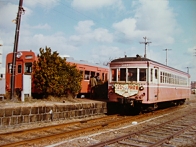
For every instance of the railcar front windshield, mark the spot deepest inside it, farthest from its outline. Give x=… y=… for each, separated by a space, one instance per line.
x=128 y=74
x=142 y=74
x=132 y=74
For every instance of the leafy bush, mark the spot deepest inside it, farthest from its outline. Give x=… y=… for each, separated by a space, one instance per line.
x=52 y=75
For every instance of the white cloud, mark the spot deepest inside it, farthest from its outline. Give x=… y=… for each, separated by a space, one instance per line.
x=105 y=54
x=8 y=21
x=86 y=34
x=128 y=28
x=1 y=42
x=80 y=39
x=102 y=35
x=57 y=42
x=84 y=26
x=75 y=38
x=8 y=40
x=192 y=50
x=40 y=26
x=154 y=19
x=94 y=4
x=11 y=12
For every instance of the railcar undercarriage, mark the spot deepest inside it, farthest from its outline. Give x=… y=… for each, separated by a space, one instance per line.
x=135 y=106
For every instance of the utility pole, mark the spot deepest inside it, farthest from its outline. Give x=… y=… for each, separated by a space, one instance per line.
x=188 y=69
x=166 y=53
x=145 y=42
x=15 y=50
x=1 y=52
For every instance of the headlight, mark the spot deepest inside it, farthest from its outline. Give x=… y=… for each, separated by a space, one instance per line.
x=141 y=88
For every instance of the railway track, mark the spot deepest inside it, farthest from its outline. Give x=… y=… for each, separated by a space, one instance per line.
x=172 y=133
x=45 y=135
x=32 y=137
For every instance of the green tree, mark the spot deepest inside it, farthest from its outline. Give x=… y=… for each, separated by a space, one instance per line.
x=54 y=76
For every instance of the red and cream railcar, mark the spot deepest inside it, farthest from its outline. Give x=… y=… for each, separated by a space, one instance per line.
x=143 y=83
x=24 y=63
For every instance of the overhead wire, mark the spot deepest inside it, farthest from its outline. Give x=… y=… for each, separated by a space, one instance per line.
x=75 y=11
x=83 y=15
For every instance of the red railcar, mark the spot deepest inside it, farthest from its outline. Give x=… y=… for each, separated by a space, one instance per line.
x=87 y=69
x=142 y=83
x=24 y=63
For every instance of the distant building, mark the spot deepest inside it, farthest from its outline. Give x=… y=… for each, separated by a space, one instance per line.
x=2 y=69
x=193 y=84
x=193 y=87
x=2 y=74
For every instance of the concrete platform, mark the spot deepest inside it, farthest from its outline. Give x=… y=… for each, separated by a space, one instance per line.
x=31 y=112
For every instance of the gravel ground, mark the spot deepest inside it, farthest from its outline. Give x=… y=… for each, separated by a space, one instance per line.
x=86 y=140
x=89 y=139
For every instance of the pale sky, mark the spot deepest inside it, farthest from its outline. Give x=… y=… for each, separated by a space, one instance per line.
x=101 y=30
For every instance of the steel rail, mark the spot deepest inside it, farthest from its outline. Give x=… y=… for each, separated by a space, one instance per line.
x=74 y=132
x=68 y=133
x=57 y=126
x=171 y=136
x=114 y=140
x=65 y=134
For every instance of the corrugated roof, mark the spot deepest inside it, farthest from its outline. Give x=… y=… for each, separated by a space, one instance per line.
x=86 y=63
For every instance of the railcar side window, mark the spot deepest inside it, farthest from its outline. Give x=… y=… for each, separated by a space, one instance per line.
x=86 y=75
x=19 y=68
x=98 y=76
x=28 y=67
x=142 y=75
x=163 y=77
x=172 y=79
x=155 y=73
x=106 y=76
x=114 y=74
x=82 y=73
x=92 y=73
x=151 y=74
x=175 y=79
x=132 y=74
x=166 y=77
x=122 y=74
x=103 y=77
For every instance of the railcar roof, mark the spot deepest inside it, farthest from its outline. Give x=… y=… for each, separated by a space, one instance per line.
x=86 y=63
x=139 y=58
x=131 y=59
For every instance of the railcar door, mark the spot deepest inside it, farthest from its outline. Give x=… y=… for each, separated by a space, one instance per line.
x=18 y=78
x=8 y=76
x=156 y=82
